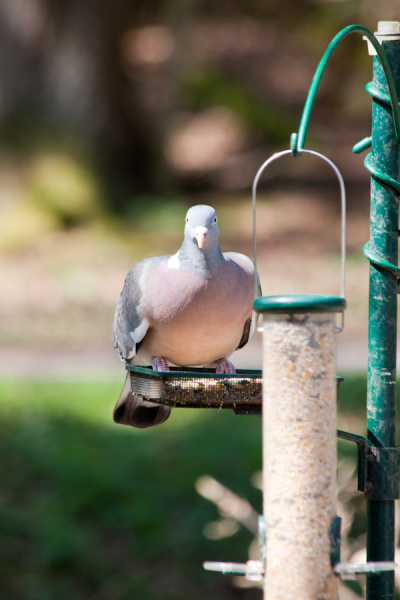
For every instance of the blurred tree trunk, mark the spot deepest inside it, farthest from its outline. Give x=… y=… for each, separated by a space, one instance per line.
x=21 y=32
x=63 y=60
x=85 y=87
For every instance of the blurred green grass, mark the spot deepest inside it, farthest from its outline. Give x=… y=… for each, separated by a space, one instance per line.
x=92 y=510
x=89 y=509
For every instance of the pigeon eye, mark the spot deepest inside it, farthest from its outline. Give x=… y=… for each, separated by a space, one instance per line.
x=215 y=220
x=186 y=220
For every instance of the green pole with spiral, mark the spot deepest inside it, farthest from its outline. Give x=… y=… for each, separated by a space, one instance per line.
x=382 y=250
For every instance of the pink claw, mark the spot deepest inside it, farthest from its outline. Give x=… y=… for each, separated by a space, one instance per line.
x=160 y=364
x=223 y=365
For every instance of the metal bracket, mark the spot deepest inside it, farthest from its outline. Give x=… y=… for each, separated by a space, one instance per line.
x=343 y=569
x=374 y=466
x=369 y=568
x=335 y=540
x=253 y=570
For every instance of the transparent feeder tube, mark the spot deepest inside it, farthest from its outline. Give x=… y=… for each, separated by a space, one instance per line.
x=299 y=454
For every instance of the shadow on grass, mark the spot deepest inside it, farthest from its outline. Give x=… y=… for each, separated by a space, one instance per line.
x=92 y=510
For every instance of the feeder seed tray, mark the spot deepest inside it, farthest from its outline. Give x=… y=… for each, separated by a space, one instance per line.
x=199 y=388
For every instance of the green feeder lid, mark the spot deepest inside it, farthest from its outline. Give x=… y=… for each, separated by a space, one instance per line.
x=299 y=303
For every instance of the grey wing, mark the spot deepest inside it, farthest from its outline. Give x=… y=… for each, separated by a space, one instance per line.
x=245 y=335
x=129 y=327
x=251 y=324
x=129 y=330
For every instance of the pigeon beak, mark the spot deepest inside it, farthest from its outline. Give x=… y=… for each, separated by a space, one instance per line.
x=200 y=234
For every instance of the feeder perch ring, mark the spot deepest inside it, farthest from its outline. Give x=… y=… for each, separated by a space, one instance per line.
x=199 y=388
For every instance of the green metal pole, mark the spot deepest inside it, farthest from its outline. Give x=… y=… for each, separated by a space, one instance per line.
x=381 y=401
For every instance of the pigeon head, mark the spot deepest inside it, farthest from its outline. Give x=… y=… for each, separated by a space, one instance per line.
x=201 y=226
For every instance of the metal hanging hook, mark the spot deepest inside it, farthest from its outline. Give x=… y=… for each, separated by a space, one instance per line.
x=342 y=200
x=297 y=139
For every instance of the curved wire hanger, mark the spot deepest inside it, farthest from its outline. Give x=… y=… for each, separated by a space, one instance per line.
x=343 y=209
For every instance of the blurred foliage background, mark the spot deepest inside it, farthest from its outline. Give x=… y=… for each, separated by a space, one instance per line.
x=115 y=117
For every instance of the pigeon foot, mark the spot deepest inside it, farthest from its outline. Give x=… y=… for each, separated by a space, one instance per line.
x=160 y=364
x=223 y=365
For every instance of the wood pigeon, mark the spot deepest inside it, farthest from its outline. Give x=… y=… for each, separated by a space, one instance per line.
x=191 y=309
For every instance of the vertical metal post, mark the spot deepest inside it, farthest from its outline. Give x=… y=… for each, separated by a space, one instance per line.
x=381 y=401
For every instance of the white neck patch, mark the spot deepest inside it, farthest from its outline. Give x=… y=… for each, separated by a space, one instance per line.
x=173 y=261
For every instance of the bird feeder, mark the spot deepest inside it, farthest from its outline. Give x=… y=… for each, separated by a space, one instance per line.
x=299 y=432
x=200 y=388
x=299 y=444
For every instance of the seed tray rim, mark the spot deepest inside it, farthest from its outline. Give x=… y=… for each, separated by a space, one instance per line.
x=194 y=373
